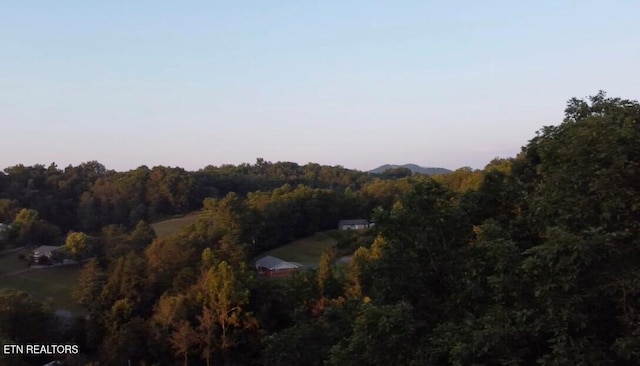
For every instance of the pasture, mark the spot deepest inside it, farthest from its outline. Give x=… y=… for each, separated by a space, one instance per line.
x=169 y=226
x=305 y=251
x=54 y=285
x=10 y=262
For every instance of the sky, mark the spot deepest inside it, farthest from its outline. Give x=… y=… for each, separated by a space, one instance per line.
x=352 y=83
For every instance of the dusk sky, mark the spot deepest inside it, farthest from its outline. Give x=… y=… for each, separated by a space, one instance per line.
x=351 y=83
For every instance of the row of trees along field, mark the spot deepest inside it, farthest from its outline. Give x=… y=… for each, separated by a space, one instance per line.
x=533 y=261
x=43 y=203
x=89 y=196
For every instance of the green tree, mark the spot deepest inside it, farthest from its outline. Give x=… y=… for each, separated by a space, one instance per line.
x=24 y=320
x=167 y=256
x=224 y=295
x=208 y=260
x=327 y=282
x=167 y=325
x=92 y=281
x=141 y=236
x=77 y=244
x=461 y=180
x=8 y=210
x=183 y=339
x=397 y=173
x=28 y=228
x=128 y=280
x=88 y=294
x=380 y=337
x=425 y=225
x=228 y=216
x=283 y=348
x=128 y=342
x=113 y=242
x=585 y=204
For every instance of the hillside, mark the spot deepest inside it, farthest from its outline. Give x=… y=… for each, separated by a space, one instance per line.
x=53 y=284
x=167 y=227
x=415 y=169
x=306 y=251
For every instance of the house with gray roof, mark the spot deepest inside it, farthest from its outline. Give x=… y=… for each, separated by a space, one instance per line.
x=275 y=267
x=357 y=224
x=45 y=254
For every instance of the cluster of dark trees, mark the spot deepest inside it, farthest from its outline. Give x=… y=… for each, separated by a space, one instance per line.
x=534 y=260
x=89 y=197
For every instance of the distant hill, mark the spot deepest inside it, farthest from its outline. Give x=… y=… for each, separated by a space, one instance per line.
x=416 y=169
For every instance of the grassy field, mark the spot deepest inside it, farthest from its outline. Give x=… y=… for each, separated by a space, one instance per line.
x=50 y=284
x=167 y=227
x=10 y=262
x=305 y=251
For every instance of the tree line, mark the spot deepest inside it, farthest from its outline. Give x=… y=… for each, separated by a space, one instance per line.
x=89 y=197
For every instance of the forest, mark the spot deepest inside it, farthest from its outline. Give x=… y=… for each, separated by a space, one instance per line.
x=533 y=260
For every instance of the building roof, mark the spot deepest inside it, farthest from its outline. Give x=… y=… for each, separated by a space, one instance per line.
x=353 y=222
x=45 y=249
x=271 y=263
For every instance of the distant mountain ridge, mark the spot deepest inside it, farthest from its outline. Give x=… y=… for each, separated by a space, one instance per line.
x=415 y=169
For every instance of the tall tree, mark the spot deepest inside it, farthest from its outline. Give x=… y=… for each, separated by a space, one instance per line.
x=327 y=283
x=183 y=339
x=142 y=236
x=228 y=216
x=128 y=280
x=380 y=337
x=8 y=210
x=587 y=206
x=92 y=281
x=224 y=295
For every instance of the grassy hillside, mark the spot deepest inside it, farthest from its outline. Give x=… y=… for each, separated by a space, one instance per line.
x=50 y=284
x=167 y=227
x=305 y=251
x=10 y=263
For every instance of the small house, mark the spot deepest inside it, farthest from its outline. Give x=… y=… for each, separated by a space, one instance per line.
x=353 y=224
x=44 y=254
x=275 y=267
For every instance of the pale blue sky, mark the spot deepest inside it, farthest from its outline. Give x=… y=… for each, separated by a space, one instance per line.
x=352 y=83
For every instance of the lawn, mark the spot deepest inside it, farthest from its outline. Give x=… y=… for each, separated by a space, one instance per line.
x=305 y=251
x=167 y=227
x=54 y=284
x=10 y=262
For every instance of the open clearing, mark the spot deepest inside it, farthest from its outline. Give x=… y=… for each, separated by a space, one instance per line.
x=167 y=227
x=10 y=262
x=305 y=251
x=48 y=284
